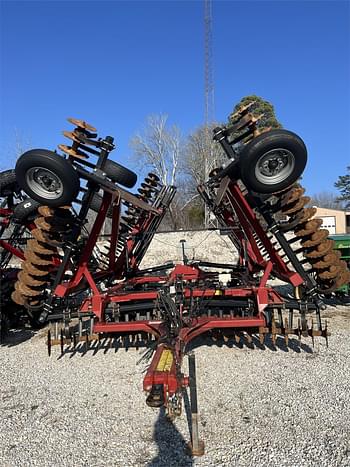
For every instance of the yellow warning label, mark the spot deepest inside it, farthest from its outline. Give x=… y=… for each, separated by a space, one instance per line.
x=165 y=361
x=218 y=292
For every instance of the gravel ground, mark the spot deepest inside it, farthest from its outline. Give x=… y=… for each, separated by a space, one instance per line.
x=288 y=406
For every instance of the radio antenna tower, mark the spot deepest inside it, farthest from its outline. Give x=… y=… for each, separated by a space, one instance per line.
x=209 y=95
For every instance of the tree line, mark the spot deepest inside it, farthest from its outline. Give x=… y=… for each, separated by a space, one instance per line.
x=184 y=161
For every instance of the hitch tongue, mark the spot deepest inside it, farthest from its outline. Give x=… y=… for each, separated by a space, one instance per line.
x=156 y=396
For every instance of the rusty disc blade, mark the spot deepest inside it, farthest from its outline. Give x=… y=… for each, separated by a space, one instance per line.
x=71 y=152
x=333 y=285
x=298 y=219
x=343 y=279
x=315 y=238
x=61 y=211
x=330 y=273
x=305 y=215
x=145 y=188
x=72 y=136
x=150 y=182
x=27 y=279
x=29 y=291
x=320 y=250
x=18 y=298
x=308 y=228
x=296 y=206
x=38 y=259
x=35 y=270
x=82 y=124
x=50 y=239
x=293 y=195
x=59 y=222
x=153 y=176
x=327 y=260
x=144 y=193
x=327 y=287
x=39 y=234
x=46 y=211
x=42 y=247
x=149 y=187
x=54 y=224
x=41 y=223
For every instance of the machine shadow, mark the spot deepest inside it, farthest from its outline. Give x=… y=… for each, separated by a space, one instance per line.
x=16 y=336
x=172 y=447
x=293 y=345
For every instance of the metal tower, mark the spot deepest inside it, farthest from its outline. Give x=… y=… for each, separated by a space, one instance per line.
x=208 y=94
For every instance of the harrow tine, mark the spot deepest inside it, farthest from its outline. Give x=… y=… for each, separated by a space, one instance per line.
x=290 y=319
x=286 y=332
x=304 y=330
x=49 y=343
x=249 y=338
x=261 y=336
x=273 y=330
x=318 y=318
x=311 y=331
x=62 y=342
x=299 y=331
x=237 y=338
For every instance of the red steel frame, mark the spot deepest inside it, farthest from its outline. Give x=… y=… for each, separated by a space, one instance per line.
x=6 y=214
x=172 y=379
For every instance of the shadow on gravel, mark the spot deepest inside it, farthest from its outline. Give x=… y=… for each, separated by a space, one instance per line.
x=172 y=447
x=280 y=345
x=16 y=337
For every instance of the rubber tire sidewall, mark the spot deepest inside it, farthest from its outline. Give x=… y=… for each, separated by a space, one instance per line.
x=8 y=183
x=23 y=210
x=262 y=144
x=59 y=166
x=120 y=174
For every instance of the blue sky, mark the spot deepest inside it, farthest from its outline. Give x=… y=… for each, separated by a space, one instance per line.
x=113 y=63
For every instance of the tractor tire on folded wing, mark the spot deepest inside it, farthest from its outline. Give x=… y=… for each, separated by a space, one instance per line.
x=272 y=161
x=24 y=209
x=120 y=174
x=8 y=183
x=47 y=177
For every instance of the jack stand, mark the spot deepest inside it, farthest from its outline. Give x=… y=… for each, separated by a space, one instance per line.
x=196 y=445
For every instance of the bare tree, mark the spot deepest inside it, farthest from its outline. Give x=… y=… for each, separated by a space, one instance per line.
x=201 y=155
x=199 y=150
x=159 y=148
x=18 y=144
x=326 y=199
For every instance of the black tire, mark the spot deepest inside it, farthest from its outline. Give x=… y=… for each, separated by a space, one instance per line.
x=258 y=161
x=24 y=209
x=59 y=183
x=8 y=183
x=120 y=174
x=10 y=312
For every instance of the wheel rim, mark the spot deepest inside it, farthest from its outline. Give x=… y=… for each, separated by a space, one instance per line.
x=44 y=183
x=274 y=166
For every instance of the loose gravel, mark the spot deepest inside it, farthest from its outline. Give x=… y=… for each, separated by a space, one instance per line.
x=283 y=407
